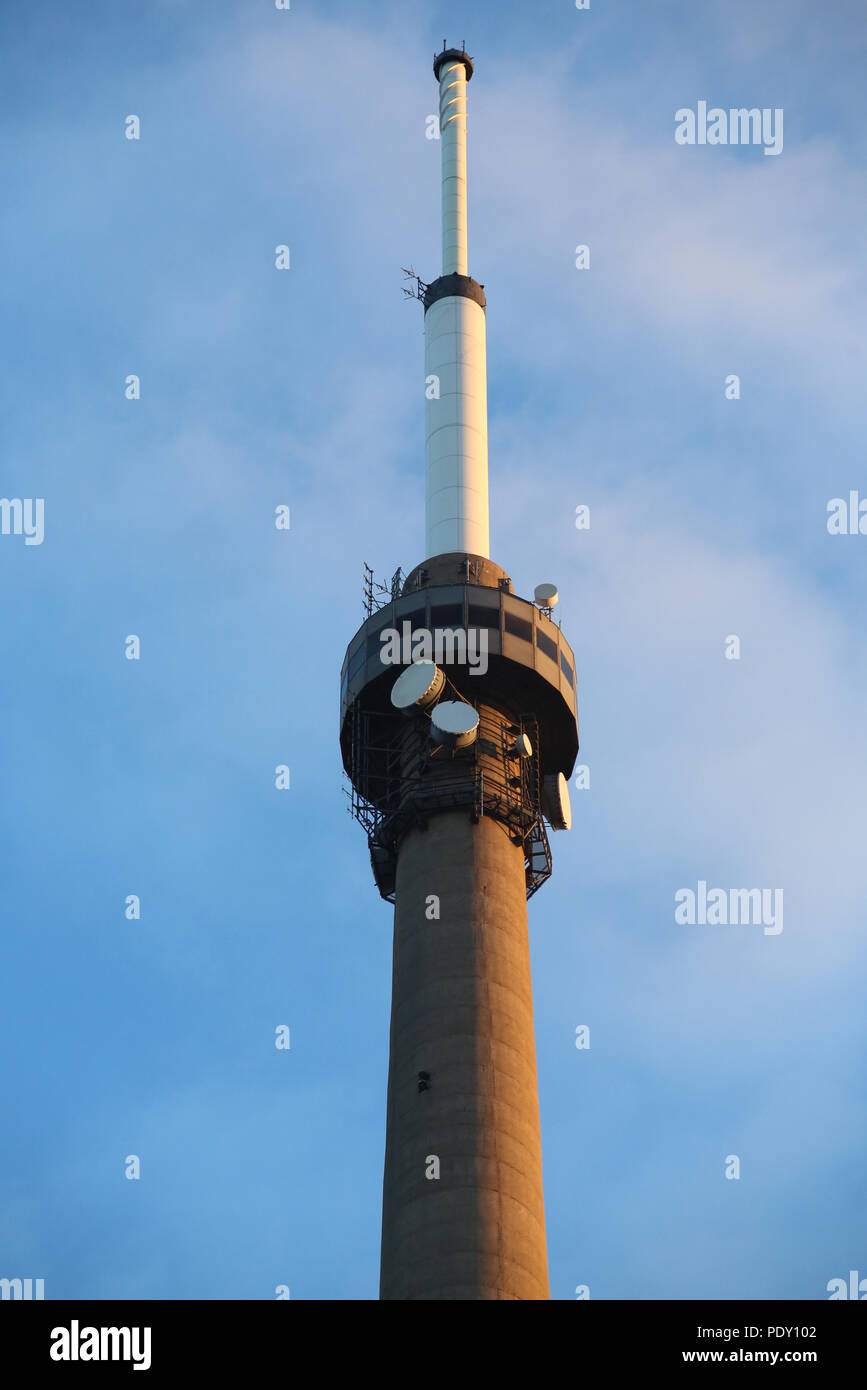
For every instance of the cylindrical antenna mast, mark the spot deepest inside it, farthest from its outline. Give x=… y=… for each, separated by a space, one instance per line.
x=453 y=136
x=456 y=424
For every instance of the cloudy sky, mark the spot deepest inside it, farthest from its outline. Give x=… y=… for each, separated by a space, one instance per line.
x=260 y=387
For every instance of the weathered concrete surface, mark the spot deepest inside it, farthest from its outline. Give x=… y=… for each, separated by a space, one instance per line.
x=462 y=1010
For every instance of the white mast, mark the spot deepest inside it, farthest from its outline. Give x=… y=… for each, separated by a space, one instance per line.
x=453 y=137
x=456 y=423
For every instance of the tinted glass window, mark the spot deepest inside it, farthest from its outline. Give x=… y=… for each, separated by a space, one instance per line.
x=519 y=627
x=546 y=645
x=566 y=669
x=447 y=615
x=483 y=617
x=415 y=620
x=374 y=642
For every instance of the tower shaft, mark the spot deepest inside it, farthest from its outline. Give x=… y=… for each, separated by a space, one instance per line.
x=463 y=1214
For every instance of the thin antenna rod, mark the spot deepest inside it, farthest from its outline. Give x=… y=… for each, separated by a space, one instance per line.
x=453 y=139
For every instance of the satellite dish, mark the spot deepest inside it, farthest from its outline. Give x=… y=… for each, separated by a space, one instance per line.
x=555 y=801
x=522 y=747
x=417 y=687
x=546 y=595
x=454 y=723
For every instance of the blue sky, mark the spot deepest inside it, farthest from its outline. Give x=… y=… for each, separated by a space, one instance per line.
x=305 y=387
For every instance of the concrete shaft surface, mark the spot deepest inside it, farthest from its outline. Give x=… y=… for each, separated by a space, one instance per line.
x=462 y=1011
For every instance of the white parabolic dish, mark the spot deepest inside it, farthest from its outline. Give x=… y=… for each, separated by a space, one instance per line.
x=555 y=801
x=455 y=723
x=418 y=686
x=546 y=594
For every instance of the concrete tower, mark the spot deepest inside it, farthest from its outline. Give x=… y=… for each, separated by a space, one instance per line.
x=457 y=740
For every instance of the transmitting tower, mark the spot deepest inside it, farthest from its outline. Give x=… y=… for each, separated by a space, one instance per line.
x=457 y=757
